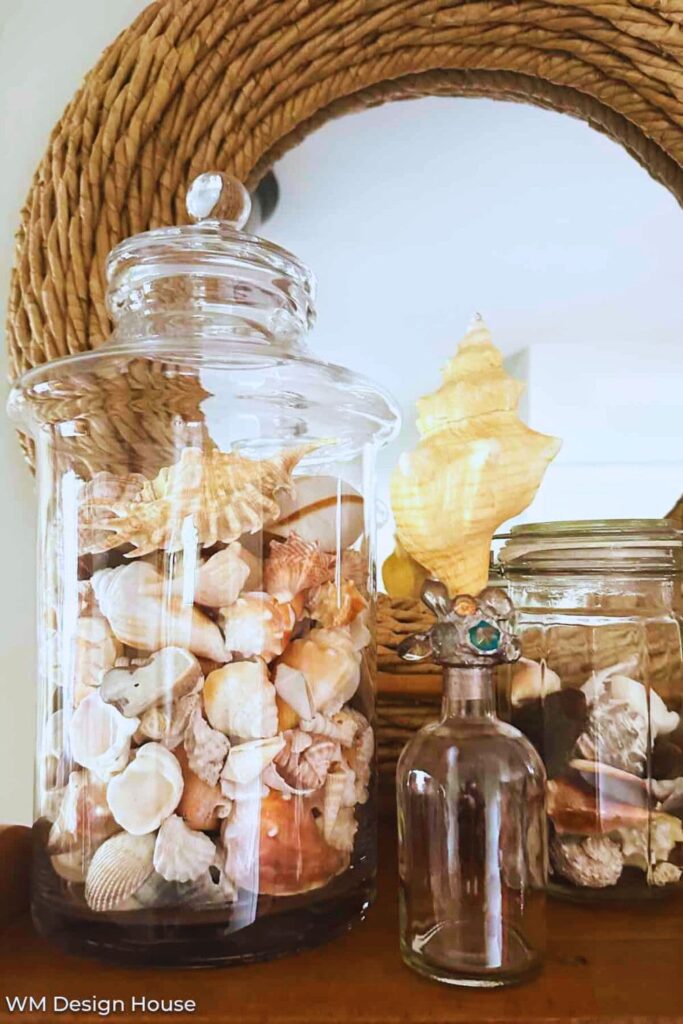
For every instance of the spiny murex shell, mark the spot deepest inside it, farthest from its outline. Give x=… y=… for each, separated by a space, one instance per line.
x=118 y=869
x=170 y=674
x=476 y=466
x=181 y=854
x=143 y=615
x=224 y=493
x=147 y=791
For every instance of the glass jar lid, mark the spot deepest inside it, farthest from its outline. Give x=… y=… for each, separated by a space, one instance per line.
x=591 y=546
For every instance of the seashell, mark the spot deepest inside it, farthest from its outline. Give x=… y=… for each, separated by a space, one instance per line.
x=237 y=853
x=612 y=783
x=118 y=869
x=595 y=862
x=221 y=579
x=239 y=700
x=330 y=665
x=257 y=626
x=576 y=811
x=147 y=791
x=170 y=674
x=343 y=833
x=246 y=761
x=294 y=566
x=670 y=792
x=341 y=728
x=87 y=602
x=106 y=494
x=72 y=865
x=359 y=633
x=476 y=466
x=53 y=735
x=84 y=819
x=206 y=748
x=532 y=680
x=222 y=494
x=353 y=565
x=96 y=650
x=202 y=806
x=292 y=688
x=360 y=756
x=617 y=687
x=100 y=736
x=665 y=873
x=167 y=724
x=237 y=792
x=142 y=615
x=334 y=606
x=653 y=843
x=181 y=854
x=616 y=735
x=339 y=791
x=304 y=761
x=322 y=509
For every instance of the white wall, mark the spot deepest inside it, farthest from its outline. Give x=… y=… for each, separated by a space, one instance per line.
x=413 y=216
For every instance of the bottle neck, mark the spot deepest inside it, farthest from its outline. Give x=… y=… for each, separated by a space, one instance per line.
x=468 y=693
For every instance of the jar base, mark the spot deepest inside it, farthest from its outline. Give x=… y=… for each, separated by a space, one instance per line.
x=204 y=944
x=466 y=971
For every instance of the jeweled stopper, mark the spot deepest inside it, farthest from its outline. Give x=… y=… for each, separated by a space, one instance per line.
x=218 y=196
x=470 y=632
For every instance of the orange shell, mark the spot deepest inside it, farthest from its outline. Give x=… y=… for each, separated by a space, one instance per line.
x=336 y=606
x=293 y=856
x=200 y=802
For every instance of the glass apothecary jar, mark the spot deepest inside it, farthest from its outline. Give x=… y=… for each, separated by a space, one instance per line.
x=599 y=692
x=205 y=782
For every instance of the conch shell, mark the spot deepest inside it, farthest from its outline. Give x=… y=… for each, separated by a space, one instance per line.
x=255 y=625
x=180 y=853
x=223 y=493
x=476 y=466
x=144 y=616
x=222 y=577
x=239 y=700
x=147 y=791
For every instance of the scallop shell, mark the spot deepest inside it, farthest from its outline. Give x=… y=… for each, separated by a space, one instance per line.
x=296 y=565
x=96 y=650
x=147 y=791
x=330 y=665
x=170 y=674
x=257 y=626
x=222 y=494
x=221 y=579
x=180 y=854
x=323 y=510
x=476 y=466
x=332 y=606
x=246 y=761
x=168 y=724
x=206 y=748
x=118 y=869
x=143 y=615
x=100 y=736
x=239 y=700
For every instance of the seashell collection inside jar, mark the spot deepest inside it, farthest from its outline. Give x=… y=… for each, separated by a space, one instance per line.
x=613 y=751
x=213 y=740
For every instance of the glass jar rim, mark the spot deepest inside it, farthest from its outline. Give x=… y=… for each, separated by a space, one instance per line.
x=591 y=546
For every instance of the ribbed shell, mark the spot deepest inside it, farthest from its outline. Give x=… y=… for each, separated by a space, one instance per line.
x=118 y=869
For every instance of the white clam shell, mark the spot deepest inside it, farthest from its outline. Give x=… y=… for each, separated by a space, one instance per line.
x=181 y=854
x=246 y=761
x=148 y=791
x=292 y=688
x=239 y=700
x=118 y=869
x=320 y=507
x=100 y=736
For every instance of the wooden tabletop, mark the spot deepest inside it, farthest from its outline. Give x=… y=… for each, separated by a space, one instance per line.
x=622 y=965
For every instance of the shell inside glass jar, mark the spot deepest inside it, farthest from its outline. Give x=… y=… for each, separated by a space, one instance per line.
x=213 y=735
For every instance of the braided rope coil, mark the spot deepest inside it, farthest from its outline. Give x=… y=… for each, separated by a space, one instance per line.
x=233 y=84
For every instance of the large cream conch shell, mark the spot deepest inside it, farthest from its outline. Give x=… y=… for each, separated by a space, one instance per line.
x=476 y=466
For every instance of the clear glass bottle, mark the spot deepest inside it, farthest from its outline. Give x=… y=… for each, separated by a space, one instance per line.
x=599 y=692
x=471 y=817
x=204 y=775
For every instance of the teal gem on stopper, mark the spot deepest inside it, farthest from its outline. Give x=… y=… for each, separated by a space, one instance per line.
x=484 y=636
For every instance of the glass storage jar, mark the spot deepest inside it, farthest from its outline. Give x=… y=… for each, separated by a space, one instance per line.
x=599 y=692
x=205 y=782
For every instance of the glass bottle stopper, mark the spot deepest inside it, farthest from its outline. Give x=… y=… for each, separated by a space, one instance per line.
x=469 y=632
x=216 y=196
